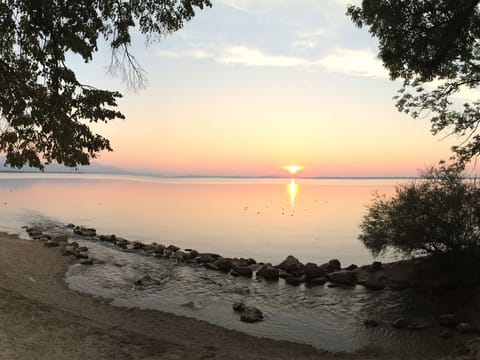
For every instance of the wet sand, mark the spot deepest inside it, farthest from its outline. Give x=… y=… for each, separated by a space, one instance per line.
x=42 y=319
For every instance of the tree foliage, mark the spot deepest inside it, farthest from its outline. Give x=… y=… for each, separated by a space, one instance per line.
x=434 y=46
x=438 y=214
x=45 y=110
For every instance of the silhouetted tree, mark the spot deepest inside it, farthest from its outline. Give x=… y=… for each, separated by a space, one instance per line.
x=433 y=45
x=438 y=214
x=44 y=109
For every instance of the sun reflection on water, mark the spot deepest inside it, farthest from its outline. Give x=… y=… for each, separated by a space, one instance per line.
x=292 y=189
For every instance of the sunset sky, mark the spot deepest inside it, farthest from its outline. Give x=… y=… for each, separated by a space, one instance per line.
x=249 y=86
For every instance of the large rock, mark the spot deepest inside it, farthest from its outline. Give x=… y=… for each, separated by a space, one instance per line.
x=313 y=271
x=343 y=277
x=80 y=230
x=249 y=314
x=241 y=270
x=290 y=264
x=316 y=281
x=223 y=264
x=34 y=231
x=268 y=272
x=375 y=266
x=205 y=258
x=374 y=281
x=335 y=264
x=51 y=243
x=332 y=266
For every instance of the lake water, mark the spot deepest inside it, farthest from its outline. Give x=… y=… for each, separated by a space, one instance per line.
x=314 y=220
x=267 y=219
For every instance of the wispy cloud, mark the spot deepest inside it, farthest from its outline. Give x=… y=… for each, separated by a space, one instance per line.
x=345 y=61
x=243 y=55
x=192 y=53
x=354 y=62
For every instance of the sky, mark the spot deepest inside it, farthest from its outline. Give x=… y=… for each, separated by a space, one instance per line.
x=249 y=86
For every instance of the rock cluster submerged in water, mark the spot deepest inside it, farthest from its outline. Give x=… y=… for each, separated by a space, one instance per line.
x=61 y=241
x=291 y=269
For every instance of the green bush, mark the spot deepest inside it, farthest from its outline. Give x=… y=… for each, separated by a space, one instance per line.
x=436 y=214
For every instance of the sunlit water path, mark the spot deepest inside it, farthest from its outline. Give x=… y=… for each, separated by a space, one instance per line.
x=267 y=219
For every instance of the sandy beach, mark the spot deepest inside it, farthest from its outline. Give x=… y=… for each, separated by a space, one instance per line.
x=43 y=319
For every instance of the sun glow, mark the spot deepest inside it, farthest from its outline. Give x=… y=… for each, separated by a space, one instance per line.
x=292 y=169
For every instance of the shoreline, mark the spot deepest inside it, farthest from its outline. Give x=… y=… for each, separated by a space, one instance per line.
x=56 y=322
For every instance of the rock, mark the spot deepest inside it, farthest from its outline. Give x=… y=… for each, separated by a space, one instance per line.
x=172 y=248
x=290 y=264
x=85 y=261
x=69 y=250
x=210 y=266
x=74 y=244
x=223 y=264
x=370 y=323
x=180 y=256
x=448 y=320
x=193 y=253
x=44 y=237
x=465 y=328
x=351 y=267
x=50 y=243
x=400 y=323
x=374 y=267
x=268 y=272
x=374 y=282
x=251 y=261
x=239 y=306
x=34 y=231
x=335 y=264
x=70 y=226
x=82 y=231
x=145 y=279
x=234 y=273
x=82 y=248
x=81 y=255
x=251 y=315
x=332 y=285
x=136 y=245
x=283 y=274
x=60 y=238
x=312 y=271
x=343 y=277
x=193 y=305
x=122 y=243
x=205 y=258
x=295 y=281
x=316 y=281
x=242 y=270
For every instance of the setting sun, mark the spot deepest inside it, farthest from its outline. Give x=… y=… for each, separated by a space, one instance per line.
x=292 y=169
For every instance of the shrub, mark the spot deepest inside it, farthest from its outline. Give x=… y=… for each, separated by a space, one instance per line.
x=436 y=214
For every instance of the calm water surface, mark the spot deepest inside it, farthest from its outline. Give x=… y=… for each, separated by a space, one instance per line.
x=267 y=219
